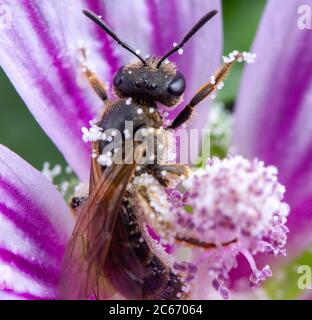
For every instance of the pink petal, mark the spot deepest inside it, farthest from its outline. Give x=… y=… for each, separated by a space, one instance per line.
x=273 y=118
x=35 y=224
x=40 y=54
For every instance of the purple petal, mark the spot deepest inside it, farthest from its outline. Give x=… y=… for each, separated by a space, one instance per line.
x=35 y=225
x=274 y=119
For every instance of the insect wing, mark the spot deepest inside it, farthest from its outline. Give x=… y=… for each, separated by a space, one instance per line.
x=89 y=244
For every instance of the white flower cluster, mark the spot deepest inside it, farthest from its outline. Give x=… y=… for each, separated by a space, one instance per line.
x=237 y=207
x=220 y=123
x=51 y=173
x=238 y=190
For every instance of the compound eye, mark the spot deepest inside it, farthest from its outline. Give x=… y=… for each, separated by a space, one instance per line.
x=177 y=86
x=118 y=78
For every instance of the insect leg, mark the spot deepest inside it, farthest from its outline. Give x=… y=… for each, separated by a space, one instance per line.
x=95 y=83
x=207 y=89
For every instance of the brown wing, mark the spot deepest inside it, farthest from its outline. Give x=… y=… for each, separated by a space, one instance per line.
x=89 y=244
x=96 y=168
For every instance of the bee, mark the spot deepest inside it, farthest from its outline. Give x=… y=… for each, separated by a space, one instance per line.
x=111 y=252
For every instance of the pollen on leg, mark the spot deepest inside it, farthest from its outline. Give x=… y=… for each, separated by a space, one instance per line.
x=94 y=133
x=240 y=57
x=106 y=159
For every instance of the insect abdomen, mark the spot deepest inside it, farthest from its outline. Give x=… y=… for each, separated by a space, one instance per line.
x=133 y=267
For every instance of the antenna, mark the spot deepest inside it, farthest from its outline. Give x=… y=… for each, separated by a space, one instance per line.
x=102 y=24
x=189 y=35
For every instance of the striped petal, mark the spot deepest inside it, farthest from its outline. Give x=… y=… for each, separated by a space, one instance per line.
x=40 y=52
x=35 y=224
x=273 y=112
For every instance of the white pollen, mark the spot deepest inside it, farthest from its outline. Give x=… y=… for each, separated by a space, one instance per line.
x=249 y=57
x=213 y=80
x=151 y=110
x=127 y=133
x=226 y=60
x=137 y=51
x=92 y=134
x=105 y=159
x=220 y=85
x=51 y=173
x=81 y=190
x=68 y=170
x=174 y=44
x=139 y=111
x=180 y=51
x=64 y=187
x=94 y=154
x=128 y=101
x=163 y=173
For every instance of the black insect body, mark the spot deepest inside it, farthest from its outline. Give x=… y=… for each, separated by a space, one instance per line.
x=111 y=252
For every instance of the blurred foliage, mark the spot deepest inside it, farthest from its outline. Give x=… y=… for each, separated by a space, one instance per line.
x=20 y=132
x=283 y=285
